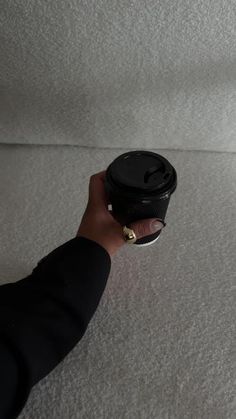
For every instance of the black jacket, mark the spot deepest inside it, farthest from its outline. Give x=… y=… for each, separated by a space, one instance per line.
x=43 y=316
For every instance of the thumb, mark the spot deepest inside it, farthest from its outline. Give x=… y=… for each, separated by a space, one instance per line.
x=146 y=227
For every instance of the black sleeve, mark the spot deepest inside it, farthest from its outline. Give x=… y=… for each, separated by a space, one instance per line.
x=43 y=316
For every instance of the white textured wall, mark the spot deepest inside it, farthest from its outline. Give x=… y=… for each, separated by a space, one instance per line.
x=162 y=343
x=119 y=73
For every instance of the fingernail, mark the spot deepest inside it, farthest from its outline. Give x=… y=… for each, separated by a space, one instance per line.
x=156 y=225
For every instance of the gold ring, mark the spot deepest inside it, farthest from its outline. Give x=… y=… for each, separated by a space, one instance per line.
x=129 y=235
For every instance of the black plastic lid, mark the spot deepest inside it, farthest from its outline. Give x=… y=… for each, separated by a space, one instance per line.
x=143 y=172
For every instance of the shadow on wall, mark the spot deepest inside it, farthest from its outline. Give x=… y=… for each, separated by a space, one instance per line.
x=120 y=106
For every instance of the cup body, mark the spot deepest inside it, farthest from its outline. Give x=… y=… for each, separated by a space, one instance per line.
x=139 y=185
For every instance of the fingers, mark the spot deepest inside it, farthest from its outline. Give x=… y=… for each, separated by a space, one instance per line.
x=146 y=227
x=97 y=194
x=101 y=175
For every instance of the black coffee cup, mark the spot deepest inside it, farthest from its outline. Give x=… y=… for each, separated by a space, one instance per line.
x=139 y=185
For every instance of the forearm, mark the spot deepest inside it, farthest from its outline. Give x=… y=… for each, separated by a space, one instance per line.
x=43 y=316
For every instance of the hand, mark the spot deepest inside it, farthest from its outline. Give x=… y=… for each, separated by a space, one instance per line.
x=99 y=225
